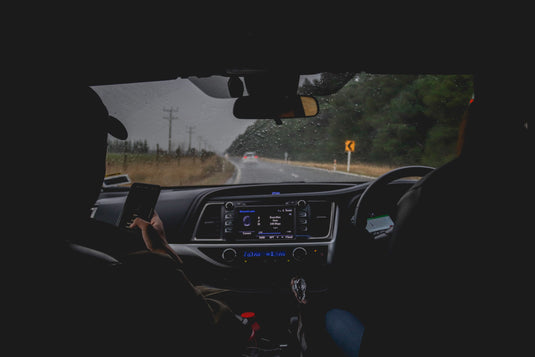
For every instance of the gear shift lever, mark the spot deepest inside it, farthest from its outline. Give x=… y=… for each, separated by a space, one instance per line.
x=299 y=288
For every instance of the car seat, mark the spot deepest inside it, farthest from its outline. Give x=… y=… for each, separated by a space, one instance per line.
x=458 y=259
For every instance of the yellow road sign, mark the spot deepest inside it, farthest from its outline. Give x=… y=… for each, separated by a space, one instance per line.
x=350 y=145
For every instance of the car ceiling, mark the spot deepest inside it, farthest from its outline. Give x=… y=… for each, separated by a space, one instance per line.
x=247 y=61
x=224 y=47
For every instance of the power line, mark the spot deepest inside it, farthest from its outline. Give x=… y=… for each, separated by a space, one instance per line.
x=170 y=118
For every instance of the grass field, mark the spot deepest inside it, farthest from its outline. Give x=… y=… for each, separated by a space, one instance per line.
x=170 y=171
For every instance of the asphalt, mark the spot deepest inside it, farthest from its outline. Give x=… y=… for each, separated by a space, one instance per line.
x=267 y=172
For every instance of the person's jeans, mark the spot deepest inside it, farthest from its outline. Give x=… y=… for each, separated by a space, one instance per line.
x=345 y=330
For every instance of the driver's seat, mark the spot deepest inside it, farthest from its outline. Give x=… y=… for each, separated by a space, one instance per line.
x=458 y=279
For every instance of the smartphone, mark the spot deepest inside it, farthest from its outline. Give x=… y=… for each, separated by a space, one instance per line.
x=140 y=202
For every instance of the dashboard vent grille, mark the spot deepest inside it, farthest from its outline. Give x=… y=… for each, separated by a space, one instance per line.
x=320 y=218
x=209 y=226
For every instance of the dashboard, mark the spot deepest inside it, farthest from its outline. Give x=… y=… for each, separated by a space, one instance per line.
x=270 y=230
x=229 y=234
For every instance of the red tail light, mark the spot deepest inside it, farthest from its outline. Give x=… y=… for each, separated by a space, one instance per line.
x=256 y=156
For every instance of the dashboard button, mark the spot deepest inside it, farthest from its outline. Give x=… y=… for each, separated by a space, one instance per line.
x=302 y=228
x=299 y=254
x=229 y=255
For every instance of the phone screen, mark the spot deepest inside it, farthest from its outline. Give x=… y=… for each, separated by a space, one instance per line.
x=140 y=202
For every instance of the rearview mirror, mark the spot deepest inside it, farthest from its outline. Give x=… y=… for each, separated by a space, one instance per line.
x=263 y=107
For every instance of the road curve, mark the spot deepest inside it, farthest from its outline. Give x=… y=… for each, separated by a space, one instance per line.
x=268 y=172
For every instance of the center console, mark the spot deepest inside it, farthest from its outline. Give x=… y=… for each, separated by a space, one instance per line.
x=239 y=232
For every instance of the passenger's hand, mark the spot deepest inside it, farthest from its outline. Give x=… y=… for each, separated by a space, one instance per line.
x=154 y=237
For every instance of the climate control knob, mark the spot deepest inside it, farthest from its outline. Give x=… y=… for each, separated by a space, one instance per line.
x=299 y=254
x=229 y=255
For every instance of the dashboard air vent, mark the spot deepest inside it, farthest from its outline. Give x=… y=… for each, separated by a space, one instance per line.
x=320 y=218
x=209 y=226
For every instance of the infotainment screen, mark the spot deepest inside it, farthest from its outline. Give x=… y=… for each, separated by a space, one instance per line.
x=265 y=222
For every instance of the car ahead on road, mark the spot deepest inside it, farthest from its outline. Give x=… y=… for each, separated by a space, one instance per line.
x=426 y=265
x=250 y=157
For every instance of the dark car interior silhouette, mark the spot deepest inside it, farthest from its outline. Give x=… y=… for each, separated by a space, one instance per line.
x=432 y=251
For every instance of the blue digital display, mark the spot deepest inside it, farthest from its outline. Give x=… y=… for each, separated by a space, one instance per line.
x=265 y=222
x=266 y=253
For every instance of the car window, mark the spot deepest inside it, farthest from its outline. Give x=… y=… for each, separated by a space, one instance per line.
x=179 y=136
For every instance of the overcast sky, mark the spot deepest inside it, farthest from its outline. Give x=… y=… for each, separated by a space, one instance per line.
x=139 y=107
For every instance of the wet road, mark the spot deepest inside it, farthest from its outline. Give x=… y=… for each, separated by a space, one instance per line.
x=264 y=171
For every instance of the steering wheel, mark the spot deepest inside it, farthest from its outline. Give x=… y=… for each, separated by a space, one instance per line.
x=363 y=208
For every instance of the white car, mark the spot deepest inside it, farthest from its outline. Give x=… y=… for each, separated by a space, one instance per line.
x=250 y=157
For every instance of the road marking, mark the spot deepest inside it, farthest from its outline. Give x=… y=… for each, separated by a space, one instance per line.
x=335 y=172
x=294 y=175
x=236 y=176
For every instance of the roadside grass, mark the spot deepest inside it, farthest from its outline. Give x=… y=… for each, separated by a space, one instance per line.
x=170 y=171
x=359 y=168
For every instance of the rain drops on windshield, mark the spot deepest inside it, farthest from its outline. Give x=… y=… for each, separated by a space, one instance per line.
x=179 y=136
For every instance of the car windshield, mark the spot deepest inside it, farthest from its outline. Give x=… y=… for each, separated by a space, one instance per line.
x=180 y=136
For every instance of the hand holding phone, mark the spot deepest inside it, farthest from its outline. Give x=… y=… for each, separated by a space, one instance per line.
x=140 y=202
x=153 y=234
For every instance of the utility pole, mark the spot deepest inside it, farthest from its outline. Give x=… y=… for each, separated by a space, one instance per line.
x=170 y=118
x=190 y=131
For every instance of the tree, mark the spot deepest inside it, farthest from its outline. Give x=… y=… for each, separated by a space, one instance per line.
x=394 y=119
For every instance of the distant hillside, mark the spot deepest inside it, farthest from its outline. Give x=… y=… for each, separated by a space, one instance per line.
x=394 y=119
